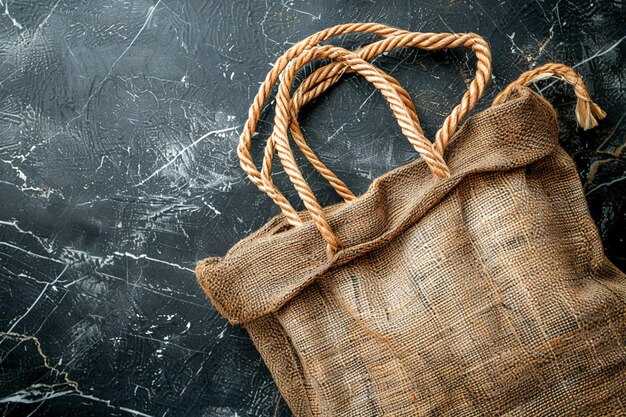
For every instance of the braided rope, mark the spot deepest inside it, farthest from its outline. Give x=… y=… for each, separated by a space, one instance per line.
x=587 y=112
x=329 y=76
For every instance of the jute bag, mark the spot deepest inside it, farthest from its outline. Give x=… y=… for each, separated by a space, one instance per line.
x=470 y=284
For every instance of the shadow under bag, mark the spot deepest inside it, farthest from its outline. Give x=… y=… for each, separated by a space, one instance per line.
x=474 y=284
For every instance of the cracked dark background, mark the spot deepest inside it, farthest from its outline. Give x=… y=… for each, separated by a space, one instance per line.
x=118 y=127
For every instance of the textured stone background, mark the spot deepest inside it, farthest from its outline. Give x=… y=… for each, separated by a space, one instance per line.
x=109 y=192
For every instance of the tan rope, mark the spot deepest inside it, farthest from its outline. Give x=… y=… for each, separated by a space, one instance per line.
x=283 y=120
x=587 y=112
x=424 y=40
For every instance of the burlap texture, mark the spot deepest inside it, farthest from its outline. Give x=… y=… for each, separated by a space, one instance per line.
x=487 y=293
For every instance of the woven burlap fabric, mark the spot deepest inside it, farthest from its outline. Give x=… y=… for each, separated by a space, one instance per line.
x=487 y=293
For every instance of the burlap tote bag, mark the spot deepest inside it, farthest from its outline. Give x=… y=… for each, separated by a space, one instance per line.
x=474 y=284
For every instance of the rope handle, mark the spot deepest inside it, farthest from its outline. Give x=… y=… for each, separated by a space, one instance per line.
x=393 y=39
x=279 y=138
x=587 y=112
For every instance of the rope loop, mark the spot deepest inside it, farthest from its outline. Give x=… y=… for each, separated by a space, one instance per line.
x=343 y=60
x=587 y=112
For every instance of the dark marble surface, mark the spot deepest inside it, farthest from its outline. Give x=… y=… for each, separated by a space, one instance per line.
x=118 y=127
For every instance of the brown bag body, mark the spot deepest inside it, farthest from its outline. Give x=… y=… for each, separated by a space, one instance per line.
x=485 y=293
x=466 y=284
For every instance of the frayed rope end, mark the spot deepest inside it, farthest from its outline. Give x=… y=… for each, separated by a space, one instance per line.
x=588 y=113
